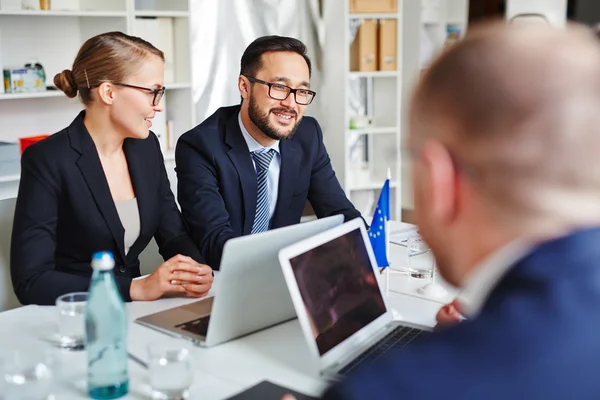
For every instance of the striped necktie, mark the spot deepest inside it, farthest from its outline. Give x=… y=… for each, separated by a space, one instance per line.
x=263 y=214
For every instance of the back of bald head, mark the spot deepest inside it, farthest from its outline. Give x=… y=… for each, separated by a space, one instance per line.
x=518 y=107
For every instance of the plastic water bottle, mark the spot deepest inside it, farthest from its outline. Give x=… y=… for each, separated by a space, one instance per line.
x=106 y=332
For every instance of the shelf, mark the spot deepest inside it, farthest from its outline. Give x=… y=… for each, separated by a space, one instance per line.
x=163 y=14
x=29 y=34
x=433 y=23
x=58 y=93
x=178 y=85
x=374 y=74
x=374 y=16
x=461 y=24
x=10 y=178
x=374 y=130
x=33 y=95
x=371 y=186
x=50 y=13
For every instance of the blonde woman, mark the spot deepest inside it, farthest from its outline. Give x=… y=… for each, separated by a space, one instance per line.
x=101 y=184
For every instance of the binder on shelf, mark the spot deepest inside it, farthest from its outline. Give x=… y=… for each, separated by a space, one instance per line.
x=171 y=135
x=364 y=47
x=159 y=32
x=159 y=127
x=387 y=54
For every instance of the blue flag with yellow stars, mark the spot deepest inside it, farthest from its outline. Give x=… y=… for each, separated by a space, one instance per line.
x=378 y=230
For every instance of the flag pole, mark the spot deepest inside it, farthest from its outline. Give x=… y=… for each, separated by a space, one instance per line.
x=387 y=238
x=387 y=219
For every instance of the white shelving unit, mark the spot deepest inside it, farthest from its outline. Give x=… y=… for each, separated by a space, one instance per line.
x=53 y=37
x=373 y=74
x=60 y=13
x=385 y=93
x=361 y=157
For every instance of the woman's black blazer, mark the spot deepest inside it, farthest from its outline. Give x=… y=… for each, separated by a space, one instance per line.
x=65 y=212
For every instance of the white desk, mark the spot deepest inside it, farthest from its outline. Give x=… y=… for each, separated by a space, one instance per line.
x=26 y=328
x=278 y=354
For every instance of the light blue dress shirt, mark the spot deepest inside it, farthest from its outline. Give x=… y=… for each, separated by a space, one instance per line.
x=274 y=167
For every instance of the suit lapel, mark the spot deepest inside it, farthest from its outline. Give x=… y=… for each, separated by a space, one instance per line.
x=91 y=169
x=288 y=174
x=141 y=179
x=242 y=161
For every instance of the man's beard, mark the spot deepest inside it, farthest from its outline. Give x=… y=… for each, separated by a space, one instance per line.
x=262 y=121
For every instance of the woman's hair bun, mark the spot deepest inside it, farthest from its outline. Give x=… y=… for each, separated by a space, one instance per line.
x=65 y=81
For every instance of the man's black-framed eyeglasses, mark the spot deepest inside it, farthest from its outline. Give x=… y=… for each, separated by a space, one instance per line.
x=158 y=93
x=279 y=91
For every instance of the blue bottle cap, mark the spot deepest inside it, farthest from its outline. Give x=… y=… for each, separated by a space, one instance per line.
x=103 y=260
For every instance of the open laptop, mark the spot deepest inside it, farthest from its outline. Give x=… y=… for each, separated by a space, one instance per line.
x=251 y=293
x=332 y=278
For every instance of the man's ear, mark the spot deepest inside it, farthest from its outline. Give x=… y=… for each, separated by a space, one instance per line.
x=106 y=93
x=244 y=87
x=441 y=181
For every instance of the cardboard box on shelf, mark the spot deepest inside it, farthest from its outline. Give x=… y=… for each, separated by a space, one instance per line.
x=373 y=6
x=387 y=45
x=363 y=52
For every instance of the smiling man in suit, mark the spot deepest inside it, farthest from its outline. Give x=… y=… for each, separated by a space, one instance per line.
x=252 y=167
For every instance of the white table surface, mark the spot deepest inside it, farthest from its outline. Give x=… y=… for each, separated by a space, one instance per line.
x=279 y=354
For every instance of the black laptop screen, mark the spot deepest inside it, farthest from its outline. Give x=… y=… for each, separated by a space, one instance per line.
x=338 y=288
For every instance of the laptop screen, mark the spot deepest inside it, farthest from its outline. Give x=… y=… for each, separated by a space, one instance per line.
x=338 y=288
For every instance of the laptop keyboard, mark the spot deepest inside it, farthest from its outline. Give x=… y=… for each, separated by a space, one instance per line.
x=396 y=339
x=197 y=326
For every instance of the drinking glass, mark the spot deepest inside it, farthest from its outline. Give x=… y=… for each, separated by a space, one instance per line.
x=420 y=258
x=28 y=375
x=71 y=320
x=170 y=371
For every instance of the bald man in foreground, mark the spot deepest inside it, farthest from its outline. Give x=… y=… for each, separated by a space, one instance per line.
x=505 y=132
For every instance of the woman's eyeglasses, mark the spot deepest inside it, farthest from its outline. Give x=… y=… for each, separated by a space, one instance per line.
x=158 y=93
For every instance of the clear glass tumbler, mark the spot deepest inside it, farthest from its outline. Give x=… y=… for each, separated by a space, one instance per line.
x=170 y=371
x=420 y=258
x=28 y=375
x=71 y=320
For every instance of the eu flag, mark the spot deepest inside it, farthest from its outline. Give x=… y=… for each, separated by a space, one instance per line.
x=378 y=229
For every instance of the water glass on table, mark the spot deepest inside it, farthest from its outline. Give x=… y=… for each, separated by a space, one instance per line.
x=170 y=370
x=71 y=320
x=27 y=375
x=420 y=258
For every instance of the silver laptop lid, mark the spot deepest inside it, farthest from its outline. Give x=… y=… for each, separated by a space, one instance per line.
x=333 y=285
x=251 y=293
